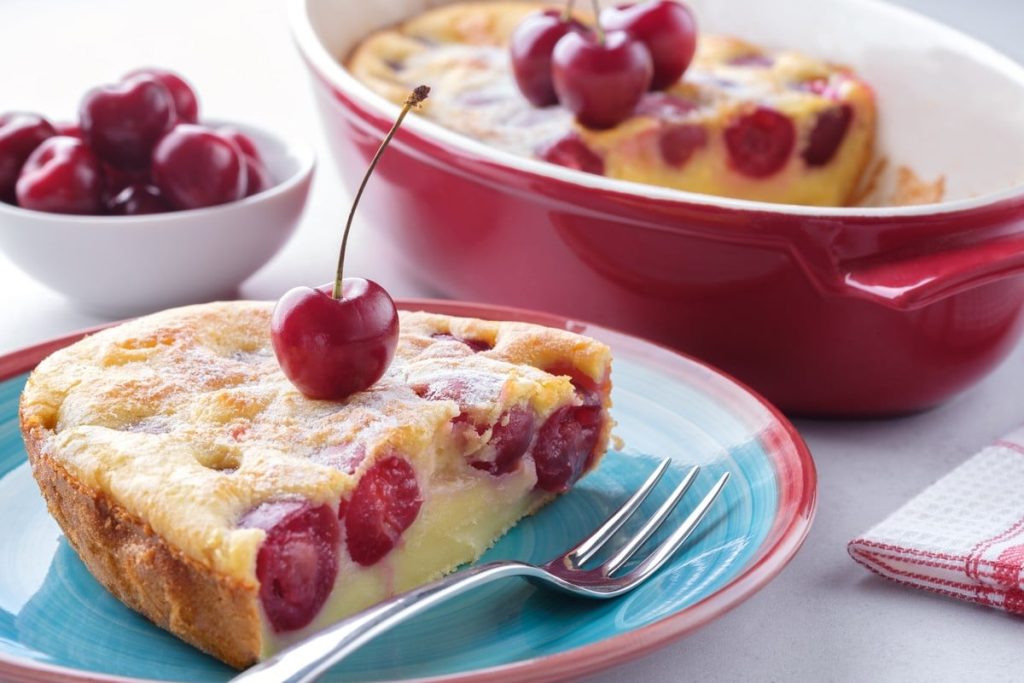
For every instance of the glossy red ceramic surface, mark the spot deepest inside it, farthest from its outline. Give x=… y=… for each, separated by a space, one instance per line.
x=830 y=313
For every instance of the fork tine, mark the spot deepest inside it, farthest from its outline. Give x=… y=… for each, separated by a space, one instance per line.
x=650 y=526
x=668 y=548
x=590 y=545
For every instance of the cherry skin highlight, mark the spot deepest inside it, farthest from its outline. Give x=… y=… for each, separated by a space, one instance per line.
x=186 y=104
x=332 y=348
x=531 y=46
x=62 y=175
x=297 y=562
x=195 y=166
x=20 y=134
x=668 y=30
x=385 y=503
x=123 y=122
x=601 y=82
x=138 y=200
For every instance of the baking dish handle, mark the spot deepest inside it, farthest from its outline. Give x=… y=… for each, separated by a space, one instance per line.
x=922 y=279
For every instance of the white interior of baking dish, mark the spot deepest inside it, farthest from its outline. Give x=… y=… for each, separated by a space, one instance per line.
x=949 y=106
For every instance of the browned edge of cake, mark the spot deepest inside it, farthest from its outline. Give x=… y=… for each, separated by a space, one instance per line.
x=215 y=613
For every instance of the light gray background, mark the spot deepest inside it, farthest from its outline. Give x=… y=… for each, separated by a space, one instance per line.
x=824 y=618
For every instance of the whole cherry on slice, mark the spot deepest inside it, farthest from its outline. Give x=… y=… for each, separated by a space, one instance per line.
x=531 y=46
x=666 y=27
x=828 y=132
x=760 y=142
x=332 y=348
x=20 y=134
x=385 y=503
x=333 y=342
x=62 y=175
x=601 y=77
x=138 y=200
x=186 y=104
x=123 y=122
x=298 y=561
x=195 y=166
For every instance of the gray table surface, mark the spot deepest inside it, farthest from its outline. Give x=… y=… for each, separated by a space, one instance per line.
x=824 y=618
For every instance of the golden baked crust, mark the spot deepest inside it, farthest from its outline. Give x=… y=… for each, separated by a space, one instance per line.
x=459 y=49
x=152 y=439
x=145 y=573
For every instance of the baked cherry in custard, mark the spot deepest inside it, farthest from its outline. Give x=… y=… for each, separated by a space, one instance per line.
x=339 y=339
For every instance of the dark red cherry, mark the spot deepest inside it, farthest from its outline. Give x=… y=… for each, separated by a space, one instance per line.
x=71 y=130
x=665 y=27
x=565 y=445
x=298 y=561
x=259 y=178
x=123 y=122
x=20 y=134
x=334 y=341
x=601 y=81
x=186 y=105
x=511 y=435
x=678 y=141
x=828 y=132
x=331 y=348
x=138 y=200
x=195 y=166
x=62 y=175
x=571 y=152
x=384 y=504
x=531 y=45
x=760 y=142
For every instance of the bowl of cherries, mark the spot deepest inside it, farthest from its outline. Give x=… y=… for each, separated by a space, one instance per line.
x=140 y=204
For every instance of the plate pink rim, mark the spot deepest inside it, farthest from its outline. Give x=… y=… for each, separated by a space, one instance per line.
x=797 y=505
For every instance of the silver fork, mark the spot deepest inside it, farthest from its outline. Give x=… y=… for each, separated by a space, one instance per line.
x=305 y=661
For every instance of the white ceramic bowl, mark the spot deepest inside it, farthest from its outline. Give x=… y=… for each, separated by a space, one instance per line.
x=127 y=265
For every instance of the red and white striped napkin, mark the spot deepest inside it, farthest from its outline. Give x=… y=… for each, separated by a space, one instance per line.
x=963 y=536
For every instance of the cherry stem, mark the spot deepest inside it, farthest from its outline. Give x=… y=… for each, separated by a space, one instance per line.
x=567 y=12
x=597 y=22
x=417 y=96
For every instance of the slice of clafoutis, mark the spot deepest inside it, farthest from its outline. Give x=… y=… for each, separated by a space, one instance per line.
x=205 y=492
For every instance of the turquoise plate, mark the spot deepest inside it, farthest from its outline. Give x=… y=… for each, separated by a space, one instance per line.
x=58 y=623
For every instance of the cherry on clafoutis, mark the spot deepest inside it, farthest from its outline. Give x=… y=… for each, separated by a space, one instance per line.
x=600 y=77
x=334 y=341
x=531 y=46
x=668 y=30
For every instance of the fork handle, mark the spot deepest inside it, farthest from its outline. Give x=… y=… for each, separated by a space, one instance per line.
x=306 y=660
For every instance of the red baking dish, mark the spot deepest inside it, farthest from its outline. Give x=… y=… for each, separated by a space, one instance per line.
x=826 y=311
